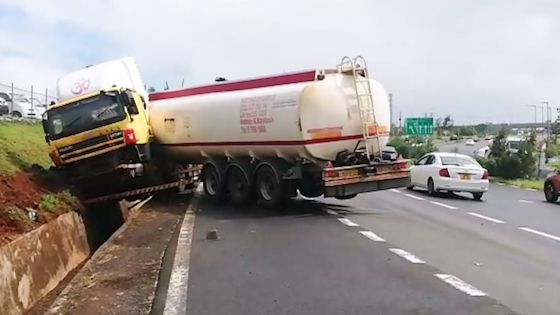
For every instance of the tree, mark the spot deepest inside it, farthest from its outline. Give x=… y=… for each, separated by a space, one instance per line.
x=498 y=148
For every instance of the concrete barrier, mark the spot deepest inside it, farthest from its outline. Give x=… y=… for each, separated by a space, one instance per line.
x=34 y=264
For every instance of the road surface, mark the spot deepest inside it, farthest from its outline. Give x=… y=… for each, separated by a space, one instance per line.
x=461 y=147
x=390 y=252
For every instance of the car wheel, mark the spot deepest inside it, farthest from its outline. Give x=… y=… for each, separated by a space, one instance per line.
x=477 y=196
x=431 y=188
x=410 y=187
x=16 y=114
x=550 y=192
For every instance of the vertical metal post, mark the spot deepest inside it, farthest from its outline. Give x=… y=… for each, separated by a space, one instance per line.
x=12 y=97
x=46 y=98
x=32 y=101
x=391 y=113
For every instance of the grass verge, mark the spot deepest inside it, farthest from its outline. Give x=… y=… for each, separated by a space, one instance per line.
x=537 y=184
x=22 y=144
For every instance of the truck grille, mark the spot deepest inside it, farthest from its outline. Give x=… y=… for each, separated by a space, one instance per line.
x=108 y=140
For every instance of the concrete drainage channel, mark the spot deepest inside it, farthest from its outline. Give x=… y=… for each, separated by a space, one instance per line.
x=36 y=263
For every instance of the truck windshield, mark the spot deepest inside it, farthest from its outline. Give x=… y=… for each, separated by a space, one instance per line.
x=87 y=114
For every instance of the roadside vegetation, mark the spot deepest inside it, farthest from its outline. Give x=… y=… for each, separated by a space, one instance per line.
x=536 y=184
x=30 y=195
x=412 y=147
x=515 y=168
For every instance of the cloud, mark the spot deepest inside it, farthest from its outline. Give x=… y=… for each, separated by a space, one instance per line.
x=475 y=60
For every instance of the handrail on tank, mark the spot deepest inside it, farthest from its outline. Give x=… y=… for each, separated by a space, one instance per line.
x=346 y=61
x=358 y=64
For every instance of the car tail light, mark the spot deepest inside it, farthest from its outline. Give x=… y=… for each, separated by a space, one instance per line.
x=129 y=136
x=444 y=172
x=485 y=175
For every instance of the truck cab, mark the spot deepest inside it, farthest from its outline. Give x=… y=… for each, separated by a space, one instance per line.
x=103 y=129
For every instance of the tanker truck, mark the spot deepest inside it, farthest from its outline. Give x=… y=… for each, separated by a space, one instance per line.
x=98 y=131
x=319 y=132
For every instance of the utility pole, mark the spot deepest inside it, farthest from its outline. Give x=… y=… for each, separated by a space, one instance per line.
x=400 y=123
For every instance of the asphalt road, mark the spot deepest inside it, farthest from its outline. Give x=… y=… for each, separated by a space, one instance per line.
x=391 y=252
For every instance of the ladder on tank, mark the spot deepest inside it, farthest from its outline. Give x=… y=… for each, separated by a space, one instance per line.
x=357 y=67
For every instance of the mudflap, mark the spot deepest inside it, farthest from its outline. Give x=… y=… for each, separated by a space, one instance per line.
x=362 y=187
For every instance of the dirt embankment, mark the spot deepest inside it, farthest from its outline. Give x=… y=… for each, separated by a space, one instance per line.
x=27 y=200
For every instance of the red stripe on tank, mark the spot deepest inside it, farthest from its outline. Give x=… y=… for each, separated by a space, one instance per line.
x=299 y=77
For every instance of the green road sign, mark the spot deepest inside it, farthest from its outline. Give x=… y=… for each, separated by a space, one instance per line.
x=419 y=126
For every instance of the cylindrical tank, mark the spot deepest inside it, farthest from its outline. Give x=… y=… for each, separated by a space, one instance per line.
x=312 y=115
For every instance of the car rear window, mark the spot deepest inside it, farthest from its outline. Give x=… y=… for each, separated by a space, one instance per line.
x=459 y=161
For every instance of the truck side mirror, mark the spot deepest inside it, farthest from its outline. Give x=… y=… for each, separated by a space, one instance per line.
x=128 y=101
x=45 y=124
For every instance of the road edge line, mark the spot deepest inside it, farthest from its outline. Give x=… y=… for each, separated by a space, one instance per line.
x=176 y=297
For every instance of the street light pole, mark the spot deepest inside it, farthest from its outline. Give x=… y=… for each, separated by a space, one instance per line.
x=535 y=108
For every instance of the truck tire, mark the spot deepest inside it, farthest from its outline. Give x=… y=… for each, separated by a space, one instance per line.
x=269 y=187
x=346 y=197
x=212 y=182
x=238 y=186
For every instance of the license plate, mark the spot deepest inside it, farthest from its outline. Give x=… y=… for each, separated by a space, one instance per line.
x=465 y=176
x=348 y=173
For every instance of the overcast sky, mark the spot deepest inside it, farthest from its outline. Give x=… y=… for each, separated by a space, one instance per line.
x=475 y=60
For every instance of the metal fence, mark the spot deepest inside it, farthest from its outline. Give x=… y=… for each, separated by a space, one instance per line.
x=12 y=94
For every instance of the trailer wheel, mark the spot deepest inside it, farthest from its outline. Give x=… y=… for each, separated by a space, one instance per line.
x=269 y=186
x=213 y=185
x=238 y=185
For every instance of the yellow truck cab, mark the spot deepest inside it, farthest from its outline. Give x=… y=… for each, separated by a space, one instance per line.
x=100 y=124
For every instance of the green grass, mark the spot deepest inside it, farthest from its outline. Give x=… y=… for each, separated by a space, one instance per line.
x=537 y=184
x=22 y=145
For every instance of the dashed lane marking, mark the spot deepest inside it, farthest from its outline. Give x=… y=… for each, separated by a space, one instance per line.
x=443 y=205
x=501 y=184
x=329 y=211
x=347 y=222
x=406 y=255
x=372 y=236
x=478 y=215
x=414 y=197
x=553 y=237
x=531 y=189
x=396 y=191
x=525 y=201
x=460 y=284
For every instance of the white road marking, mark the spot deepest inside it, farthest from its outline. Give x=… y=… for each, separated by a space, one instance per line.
x=372 y=236
x=460 y=284
x=501 y=184
x=414 y=197
x=176 y=299
x=329 y=211
x=531 y=189
x=554 y=237
x=406 y=255
x=443 y=205
x=478 y=215
x=347 y=222
x=524 y=201
x=396 y=191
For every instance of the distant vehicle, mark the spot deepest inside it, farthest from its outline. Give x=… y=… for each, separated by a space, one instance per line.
x=551 y=187
x=389 y=154
x=488 y=137
x=451 y=172
x=4 y=107
x=22 y=108
x=483 y=152
x=513 y=143
x=475 y=139
x=5 y=96
x=453 y=137
x=469 y=142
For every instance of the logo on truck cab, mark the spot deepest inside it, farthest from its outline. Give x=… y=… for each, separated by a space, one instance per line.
x=80 y=86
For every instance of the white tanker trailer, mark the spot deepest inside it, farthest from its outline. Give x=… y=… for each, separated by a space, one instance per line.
x=320 y=132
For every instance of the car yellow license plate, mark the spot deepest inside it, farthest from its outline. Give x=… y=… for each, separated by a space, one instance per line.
x=348 y=173
x=465 y=176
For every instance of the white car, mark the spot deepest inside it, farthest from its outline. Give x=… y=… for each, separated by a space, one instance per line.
x=469 y=142
x=449 y=172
